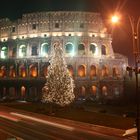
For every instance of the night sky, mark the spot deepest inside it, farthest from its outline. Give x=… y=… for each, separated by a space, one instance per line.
x=122 y=39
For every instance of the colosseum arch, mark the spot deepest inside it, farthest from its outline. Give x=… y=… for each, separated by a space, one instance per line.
x=44 y=70
x=81 y=49
x=22 y=50
x=4 y=52
x=82 y=70
x=2 y=71
x=44 y=49
x=82 y=91
x=104 y=71
x=32 y=93
x=12 y=92
x=34 y=50
x=14 y=52
x=4 y=91
x=93 y=71
x=22 y=70
x=69 y=48
x=93 y=47
x=94 y=90
x=115 y=71
x=104 y=91
x=33 y=70
x=116 y=91
x=23 y=92
x=103 y=50
x=12 y=71
x=71 y=70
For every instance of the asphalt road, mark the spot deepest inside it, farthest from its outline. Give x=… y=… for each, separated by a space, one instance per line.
x=28 y=126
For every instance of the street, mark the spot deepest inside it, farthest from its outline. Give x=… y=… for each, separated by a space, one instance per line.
x=31 y=126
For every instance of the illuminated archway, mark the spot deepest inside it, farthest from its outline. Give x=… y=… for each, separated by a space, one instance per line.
x=115 y=72
x=71 y=71
x=93 y=48
x=104 y=91
x=4 y=52
x=94 y=90
x=81 y=49
x=69 y=49
x=22 y=70
x=14 y=51
x=105 y=71
x=12 y=72
x=44 y=49
x=23 y=92
x=22 y=50
x=82 y=91
x=33 y=70
x=103 y=50
x=116 y=91
x=44 y=70
x=3 y=71
x=82 y=71
x=92 y=71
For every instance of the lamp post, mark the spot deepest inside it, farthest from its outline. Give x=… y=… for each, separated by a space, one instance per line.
x=136 y=52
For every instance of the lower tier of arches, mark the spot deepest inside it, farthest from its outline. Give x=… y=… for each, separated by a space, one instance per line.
x=31 y=89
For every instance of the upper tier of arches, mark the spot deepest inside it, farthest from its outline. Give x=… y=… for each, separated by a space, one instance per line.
x=43 y=49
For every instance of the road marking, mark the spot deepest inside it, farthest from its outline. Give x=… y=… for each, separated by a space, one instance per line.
x=43 y=121
x=9 y=118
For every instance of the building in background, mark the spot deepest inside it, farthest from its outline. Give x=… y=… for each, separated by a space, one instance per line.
x=25 y=46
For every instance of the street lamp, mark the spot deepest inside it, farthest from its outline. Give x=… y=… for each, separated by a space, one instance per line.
x=115 y=19
x=136 y=52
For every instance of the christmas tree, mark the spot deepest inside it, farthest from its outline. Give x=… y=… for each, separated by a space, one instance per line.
x=59 y=88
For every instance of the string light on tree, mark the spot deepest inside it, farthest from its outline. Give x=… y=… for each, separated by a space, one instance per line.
x=59 y=88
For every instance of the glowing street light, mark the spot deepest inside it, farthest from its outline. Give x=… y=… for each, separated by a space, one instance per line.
x=115 y=19
x=135 y=25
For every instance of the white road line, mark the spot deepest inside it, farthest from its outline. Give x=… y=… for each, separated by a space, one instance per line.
x=43 y=121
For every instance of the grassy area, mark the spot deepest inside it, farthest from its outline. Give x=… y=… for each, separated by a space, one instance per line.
x=114 y=109
x=97 y=118
x=79 y=114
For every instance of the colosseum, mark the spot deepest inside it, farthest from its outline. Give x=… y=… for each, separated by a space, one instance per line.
x=25 y=46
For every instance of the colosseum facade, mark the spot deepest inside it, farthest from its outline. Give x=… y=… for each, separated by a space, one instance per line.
x=25 y=46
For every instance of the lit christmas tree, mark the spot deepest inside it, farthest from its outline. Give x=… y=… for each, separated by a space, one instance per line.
x=59 y=88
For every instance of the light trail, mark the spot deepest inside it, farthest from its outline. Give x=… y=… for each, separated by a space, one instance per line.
x=43 y=121
x=9 y=118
